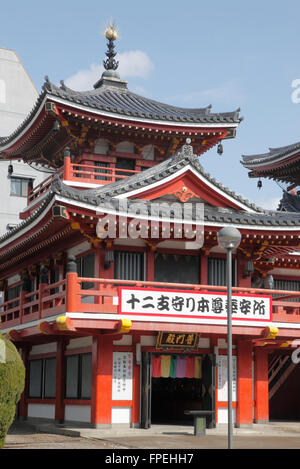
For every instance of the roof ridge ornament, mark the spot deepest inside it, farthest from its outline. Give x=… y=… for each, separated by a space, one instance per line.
x=186 y=151
x=110 y=76
x=111 y=34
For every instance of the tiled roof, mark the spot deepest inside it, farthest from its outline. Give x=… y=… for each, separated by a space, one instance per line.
x=274 y=154
x=114 y=97
x=290 y=202
x=106 y=197
x=182 y=158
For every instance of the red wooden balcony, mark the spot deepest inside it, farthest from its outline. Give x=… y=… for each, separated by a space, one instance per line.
x=79 y=175
x=91 y=295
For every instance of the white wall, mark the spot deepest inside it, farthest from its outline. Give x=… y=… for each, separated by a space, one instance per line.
x=18 y=95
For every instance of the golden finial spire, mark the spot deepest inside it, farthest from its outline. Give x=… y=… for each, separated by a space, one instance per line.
x=111 y=32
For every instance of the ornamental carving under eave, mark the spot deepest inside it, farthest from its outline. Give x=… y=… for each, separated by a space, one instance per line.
x=184 y=194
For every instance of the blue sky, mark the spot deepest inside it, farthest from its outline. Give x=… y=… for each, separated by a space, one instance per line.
x=229 y=54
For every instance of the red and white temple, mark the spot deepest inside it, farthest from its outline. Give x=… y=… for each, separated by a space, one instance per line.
x=120 y=316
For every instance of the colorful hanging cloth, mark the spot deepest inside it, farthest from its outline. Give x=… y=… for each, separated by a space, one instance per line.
x=190 y=367
x=181 y=366
x=198 y=367
x=156 y=366
x=165 y=366
x=173 y=366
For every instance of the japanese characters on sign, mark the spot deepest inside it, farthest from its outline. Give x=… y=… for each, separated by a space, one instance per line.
x=122 y=376
x=175 y=303
x=177 y=340
x=222 y=379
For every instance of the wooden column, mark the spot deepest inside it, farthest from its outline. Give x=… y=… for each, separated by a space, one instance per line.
x=241 y=280
x=60 y=382
x=135 y=418
x=23 y=405
x=150 y=264
x=244 y=411
x=203 y=269
x=261 y=386
x=72 y=299
x=101 y=380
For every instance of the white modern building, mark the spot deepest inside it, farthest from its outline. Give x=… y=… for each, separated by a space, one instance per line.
x=18 y=95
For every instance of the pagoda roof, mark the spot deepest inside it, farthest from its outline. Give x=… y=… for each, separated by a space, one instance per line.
x=290 y=202
x=281 y=163
x=137 y=183
x=113 y=96
x=106 y=199
x=113 y=99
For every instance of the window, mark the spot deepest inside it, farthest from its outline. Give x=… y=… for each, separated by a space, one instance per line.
x=285 y=284
x=125 y=163
x=217 y=271
x=129 y=265
x=79 y=376
x=54 y=278
x=86 y=268
x=42 y=378
x=102 y=164
x=13 y=292
x=176 y=268
x=19 y=186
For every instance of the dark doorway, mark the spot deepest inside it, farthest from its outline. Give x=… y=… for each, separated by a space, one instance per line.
x=165 y=399
x=172 y=396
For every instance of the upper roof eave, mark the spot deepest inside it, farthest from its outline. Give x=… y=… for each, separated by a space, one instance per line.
x=112 y=102
x=275 y=155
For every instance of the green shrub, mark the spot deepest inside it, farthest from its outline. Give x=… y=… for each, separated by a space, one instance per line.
x=12 y=382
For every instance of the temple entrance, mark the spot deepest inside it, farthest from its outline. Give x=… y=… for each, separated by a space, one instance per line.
x=174 y=383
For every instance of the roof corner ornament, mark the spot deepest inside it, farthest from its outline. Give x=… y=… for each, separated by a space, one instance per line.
x=112 y=35
x=47 y=84
x=186 y=151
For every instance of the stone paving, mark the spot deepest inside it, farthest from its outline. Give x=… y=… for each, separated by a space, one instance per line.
x=284 y=436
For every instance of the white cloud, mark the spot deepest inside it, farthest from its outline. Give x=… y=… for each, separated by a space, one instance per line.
x=132 y=64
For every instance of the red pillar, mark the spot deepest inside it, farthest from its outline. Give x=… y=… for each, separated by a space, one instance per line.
x=101 y=380
x=60 y=382
x=242 y=280
x=261 y=386
x=244 y=410
x=23 y=406
x=136 y=384
x=203 y=270
x=150 y=265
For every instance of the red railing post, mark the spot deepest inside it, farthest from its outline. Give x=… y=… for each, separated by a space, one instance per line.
x=22 y=302
x=72 y=286
x=67 y=165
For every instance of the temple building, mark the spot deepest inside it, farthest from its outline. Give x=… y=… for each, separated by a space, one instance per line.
x=114 y=282
x=282 y=165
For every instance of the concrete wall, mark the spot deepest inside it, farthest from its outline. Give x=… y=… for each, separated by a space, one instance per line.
x=18 y=95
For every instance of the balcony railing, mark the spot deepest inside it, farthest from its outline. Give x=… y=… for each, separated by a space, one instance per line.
x=78 y=174
x=74 y=295
x=92 y=174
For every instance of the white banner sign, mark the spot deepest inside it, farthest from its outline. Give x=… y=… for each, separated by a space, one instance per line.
x=122 y=376
x=183 y=303
x=223 y=379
